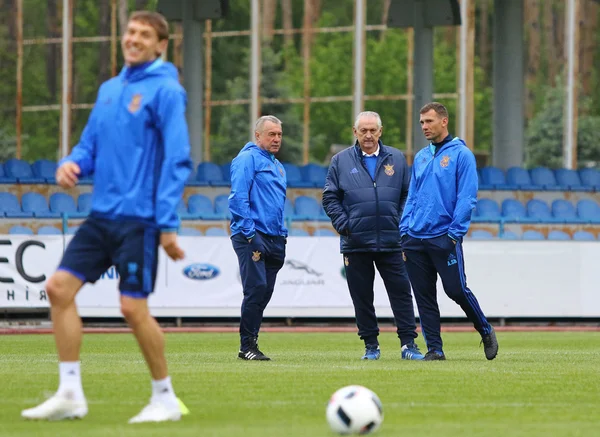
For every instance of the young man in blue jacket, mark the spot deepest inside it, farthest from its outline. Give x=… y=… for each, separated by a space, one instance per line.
x=364 y=194
x=258 y=232
x=442 y=195
x=136 y=144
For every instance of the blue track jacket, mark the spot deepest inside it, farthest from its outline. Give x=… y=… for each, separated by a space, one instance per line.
x=136 y=143
x=258 y=190
x=442 y=193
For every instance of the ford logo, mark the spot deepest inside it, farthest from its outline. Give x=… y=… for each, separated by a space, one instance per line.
x=201 y=271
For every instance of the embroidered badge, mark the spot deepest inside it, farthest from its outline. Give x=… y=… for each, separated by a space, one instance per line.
x=346 y=261
x=389 y=169
x=134 y=105
x=256 y=256
x=404 y=256
x=445 y=161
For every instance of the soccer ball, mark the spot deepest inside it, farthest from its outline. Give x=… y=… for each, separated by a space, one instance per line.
x=354 y=410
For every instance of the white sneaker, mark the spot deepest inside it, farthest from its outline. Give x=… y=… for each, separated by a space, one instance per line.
x=58 y=407
x=157 y=411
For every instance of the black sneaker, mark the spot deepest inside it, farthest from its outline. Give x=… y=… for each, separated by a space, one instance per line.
x=253 y=353
x=490 y=344
x=433 y=355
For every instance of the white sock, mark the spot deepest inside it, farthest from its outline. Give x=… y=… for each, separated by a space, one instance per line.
x=70 y=379
x=162 y=390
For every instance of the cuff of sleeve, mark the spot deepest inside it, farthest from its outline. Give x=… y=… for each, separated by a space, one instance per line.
x=167 y=230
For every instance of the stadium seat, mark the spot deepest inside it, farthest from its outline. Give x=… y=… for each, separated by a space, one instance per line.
x=37 y=204
x=222 y=206
x=590 y=177
x=84 y=203
x=324 y=232
x=4 y=179
x=583 y=236
x=216 y=232
x=21 y=170
x=63 y=204
x=539 y=210
x=487 y=210
x=519 y=177
x=20 y=230
x=533 y=235
x=564 y=211
x=544 y=178
x=481 y=234
x=182 y=211
x=494 y=179
x=558 y=236
x=209 y=173
x=513 y=210
x=190 y=232
x=10 y=207
x=49 y=230
x=191 y=180
x=509 y=235
x=288 y=211
x=588 y=211
x=294 y=177
x=296 y=232
x=569 y=180
x=45 y=169
x=315 y=174
x=307 y=208
x=226 y=170
x=200 y=206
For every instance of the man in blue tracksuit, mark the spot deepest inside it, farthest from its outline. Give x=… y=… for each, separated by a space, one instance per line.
x=136 y=144
x=442 y=195
x=364 y=194
x=258 y=232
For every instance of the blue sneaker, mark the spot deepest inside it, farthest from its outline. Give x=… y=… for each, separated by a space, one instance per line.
x=410 y=351
x=372 y=352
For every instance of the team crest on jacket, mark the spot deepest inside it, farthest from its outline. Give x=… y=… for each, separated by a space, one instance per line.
x=256 y=256
x=445 y=161
x=281 y=171
x=346 y=261
x=134 y=105
x=389 y=169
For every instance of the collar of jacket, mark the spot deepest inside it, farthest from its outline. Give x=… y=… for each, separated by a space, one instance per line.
x=383 y=150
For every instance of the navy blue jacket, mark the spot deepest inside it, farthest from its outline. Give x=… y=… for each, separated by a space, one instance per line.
x=366 y=212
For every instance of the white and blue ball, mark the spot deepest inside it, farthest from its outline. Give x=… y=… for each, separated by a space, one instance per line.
x=354 y=410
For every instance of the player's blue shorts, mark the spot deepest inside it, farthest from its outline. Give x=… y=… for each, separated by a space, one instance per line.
x=131 y=246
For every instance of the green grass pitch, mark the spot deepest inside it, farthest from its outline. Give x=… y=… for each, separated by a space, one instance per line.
x=541 y=384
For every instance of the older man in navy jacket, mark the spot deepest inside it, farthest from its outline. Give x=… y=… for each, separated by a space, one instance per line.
x=364 y=195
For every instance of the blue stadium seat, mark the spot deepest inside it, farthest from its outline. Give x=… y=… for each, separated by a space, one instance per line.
x=222 y=206
x=190 y=232
x=513 y=210
x=226 y=170
x=63 y=203
x=10 y=206
x=71 y=230
x=21 y=170
x=494 y=179
x=20 y=230
x=519 y=177
x=481 y=234
x=289 y=212
x=209 y=173
x=544 y=177
x=307 y=208
x=588 y=211
x=201 y=207
x=38 y=205
x=569 y=179
x=487 y=210
x=533 y=235
x=182 y=211
x=315 y=174
x=4 y=179
x=583 y=236
x=590 y=177
x=84 y=203
x=558 y=236
x=509 y=235
x=324 y=232
x=539 y=210
x=216 y=232
x=45 y=169
x=191 y=180
x=296 y=232
x=294 y=177
x=49 y=230
x=564 y=211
